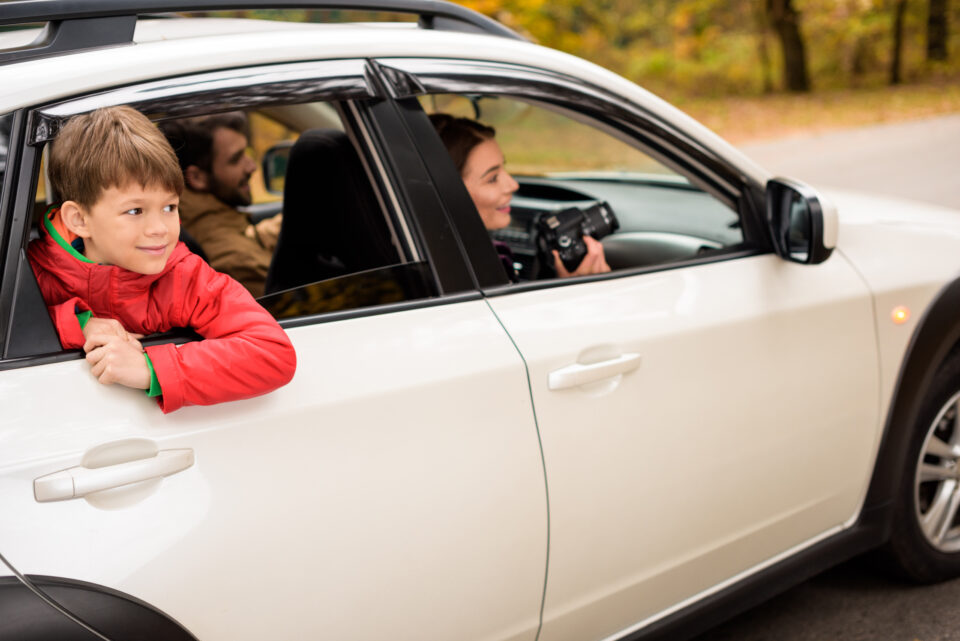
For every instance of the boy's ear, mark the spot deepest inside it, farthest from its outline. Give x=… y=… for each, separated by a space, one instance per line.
x=196 y=178
x=74 y=217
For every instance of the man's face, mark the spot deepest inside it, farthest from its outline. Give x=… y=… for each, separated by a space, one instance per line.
x=133 y=227
x=231 y=168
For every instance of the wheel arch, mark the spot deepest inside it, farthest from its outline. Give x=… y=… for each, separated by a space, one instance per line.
x=936 y=336
x=116 y=615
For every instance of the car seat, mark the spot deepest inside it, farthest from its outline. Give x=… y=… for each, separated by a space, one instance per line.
x=332 y=222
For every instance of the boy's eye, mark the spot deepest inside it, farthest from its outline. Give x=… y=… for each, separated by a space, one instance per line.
x=134 y=212
x=170 y=209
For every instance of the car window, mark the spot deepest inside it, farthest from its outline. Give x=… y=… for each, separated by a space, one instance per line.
x=332 y=242
x=563 y=161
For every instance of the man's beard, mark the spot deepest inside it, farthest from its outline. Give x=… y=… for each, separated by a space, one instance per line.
x=231 y=196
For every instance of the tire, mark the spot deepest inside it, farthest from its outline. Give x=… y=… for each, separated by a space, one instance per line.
x=925 y=534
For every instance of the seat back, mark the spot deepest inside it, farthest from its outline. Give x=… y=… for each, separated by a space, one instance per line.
x=332 y=222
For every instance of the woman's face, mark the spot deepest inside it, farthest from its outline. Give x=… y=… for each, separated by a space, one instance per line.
x=489 y=184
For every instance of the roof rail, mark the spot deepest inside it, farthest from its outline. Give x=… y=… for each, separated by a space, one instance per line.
x=73 y=25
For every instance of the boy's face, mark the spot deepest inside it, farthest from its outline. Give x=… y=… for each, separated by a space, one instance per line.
x=133 y=227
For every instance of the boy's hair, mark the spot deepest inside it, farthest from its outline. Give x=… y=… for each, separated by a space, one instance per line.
x=111 y=147
x=460 y=136
x=192 y=138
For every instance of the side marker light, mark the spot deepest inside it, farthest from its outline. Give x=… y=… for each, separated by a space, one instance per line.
x=900 y=315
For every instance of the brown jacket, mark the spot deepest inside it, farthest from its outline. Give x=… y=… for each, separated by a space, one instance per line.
x=220 y=230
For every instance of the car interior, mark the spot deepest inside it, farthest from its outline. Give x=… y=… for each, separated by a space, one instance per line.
x=341 y=247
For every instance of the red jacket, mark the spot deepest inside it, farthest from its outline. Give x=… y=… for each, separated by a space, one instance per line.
x=245 y=352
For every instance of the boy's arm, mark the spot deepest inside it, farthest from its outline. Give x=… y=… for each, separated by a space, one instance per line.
x=68 y=325
x=244 y=353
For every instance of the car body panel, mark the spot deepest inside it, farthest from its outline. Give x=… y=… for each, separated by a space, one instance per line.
x=729 y=400
x=881 y=237
x=387 y=472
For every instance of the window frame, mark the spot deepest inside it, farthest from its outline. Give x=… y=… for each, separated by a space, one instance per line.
x=367 y=114
x=610 y=114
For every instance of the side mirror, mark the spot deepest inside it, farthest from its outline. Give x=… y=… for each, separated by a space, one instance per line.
x=275 y=167
x=802 y=224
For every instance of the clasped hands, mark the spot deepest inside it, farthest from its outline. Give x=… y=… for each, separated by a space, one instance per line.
x=114 y=354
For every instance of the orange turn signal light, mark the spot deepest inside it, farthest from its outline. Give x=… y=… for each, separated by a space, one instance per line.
x=900 y=314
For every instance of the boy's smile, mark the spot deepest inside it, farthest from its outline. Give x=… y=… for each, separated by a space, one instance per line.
x=133 y=227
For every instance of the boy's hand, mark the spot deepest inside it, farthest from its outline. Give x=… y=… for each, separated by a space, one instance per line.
x=117 y=360
x=107 y=327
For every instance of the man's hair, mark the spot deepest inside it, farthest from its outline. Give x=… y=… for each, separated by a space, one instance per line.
x=192 y=138
x=110 y=147
x=460 y=136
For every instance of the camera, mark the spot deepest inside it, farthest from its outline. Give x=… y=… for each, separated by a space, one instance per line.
x=564 y=231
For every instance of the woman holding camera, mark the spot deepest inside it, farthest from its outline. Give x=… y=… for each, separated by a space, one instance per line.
x=479 y=159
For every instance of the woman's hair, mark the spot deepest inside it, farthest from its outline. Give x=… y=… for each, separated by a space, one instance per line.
x=460 y=136
x=108 y=148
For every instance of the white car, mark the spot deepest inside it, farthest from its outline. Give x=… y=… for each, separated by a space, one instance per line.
x=765 y=384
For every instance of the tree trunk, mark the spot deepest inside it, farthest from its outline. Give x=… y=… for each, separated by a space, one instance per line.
x=786 y=22
x=898 y=10
x=760 y=18
x=937 y=30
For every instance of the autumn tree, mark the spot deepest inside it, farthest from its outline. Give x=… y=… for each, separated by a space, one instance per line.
x=937 y=29
x=785 y=21
x=899 y=9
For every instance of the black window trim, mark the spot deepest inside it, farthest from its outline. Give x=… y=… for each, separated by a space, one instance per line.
x=200 y=93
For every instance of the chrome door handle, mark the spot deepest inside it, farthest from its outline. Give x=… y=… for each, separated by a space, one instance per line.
x=79 y=481
x=577 y=374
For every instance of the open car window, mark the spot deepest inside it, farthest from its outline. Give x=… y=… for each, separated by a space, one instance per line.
x=352 y=239
x=562 y=161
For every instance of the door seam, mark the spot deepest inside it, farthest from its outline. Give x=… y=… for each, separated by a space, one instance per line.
x=543 y=463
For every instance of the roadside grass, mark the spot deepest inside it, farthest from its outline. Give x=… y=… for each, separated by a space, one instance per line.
x=746 y=119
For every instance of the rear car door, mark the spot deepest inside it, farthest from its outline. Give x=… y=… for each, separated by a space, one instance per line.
x=394 y=489
x=705 y=407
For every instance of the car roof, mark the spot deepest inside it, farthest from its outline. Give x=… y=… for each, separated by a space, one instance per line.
x=176 y=46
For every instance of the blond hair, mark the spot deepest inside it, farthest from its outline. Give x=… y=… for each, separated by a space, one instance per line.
x=111 y=147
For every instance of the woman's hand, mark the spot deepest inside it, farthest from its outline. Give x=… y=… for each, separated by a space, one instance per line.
x=593 y=263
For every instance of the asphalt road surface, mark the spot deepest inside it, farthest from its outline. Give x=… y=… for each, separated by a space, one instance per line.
x=857 y=601
x=918 y=160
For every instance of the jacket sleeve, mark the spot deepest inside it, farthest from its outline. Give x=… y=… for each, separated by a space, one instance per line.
x=244 y=353
x=64 y=317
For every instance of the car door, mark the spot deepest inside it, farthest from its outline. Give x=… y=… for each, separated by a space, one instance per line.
x=394 y=489
x=704 y=408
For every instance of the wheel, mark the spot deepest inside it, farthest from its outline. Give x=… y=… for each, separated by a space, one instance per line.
x=925 y=539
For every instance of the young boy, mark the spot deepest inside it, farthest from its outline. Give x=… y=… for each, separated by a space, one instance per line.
x=111 y=270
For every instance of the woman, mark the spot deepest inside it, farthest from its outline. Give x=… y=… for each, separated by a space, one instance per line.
x=479 y=159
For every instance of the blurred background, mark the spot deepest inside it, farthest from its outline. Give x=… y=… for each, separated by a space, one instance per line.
x=754 y=69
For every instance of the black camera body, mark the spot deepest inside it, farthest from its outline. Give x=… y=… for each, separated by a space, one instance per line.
x=564 y=231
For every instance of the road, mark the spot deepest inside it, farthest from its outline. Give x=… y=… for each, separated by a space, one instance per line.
x=857 y=601
x=918 y=160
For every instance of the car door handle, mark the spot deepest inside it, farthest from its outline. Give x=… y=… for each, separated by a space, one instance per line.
x=79 y=481
x=577 y=374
